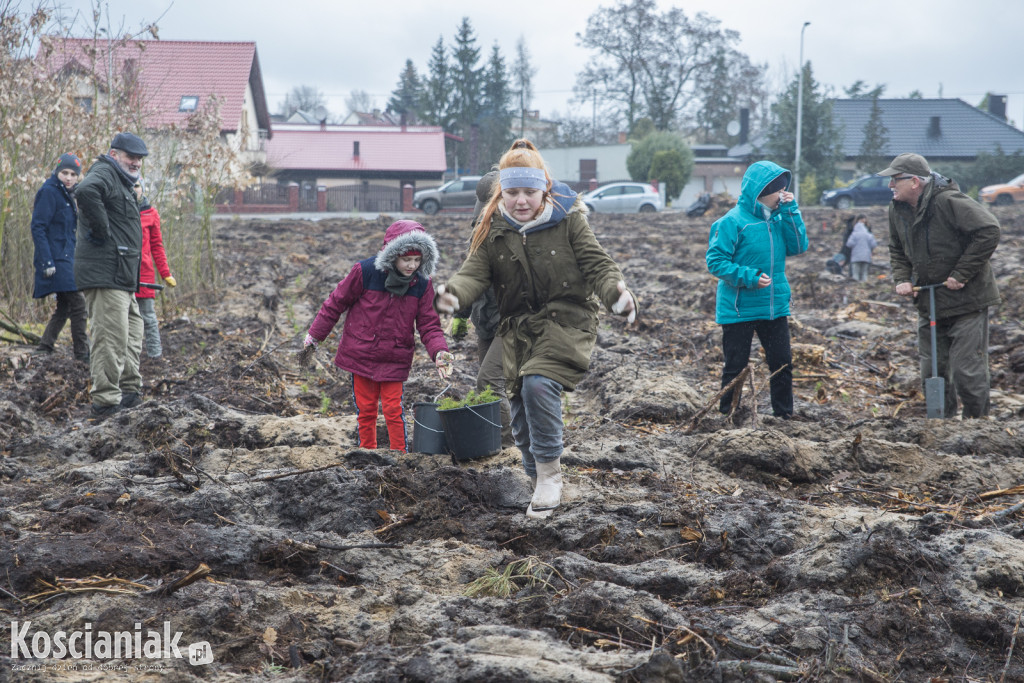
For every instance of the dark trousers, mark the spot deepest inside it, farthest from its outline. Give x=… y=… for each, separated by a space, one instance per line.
x=69 y=305
x=774 y=338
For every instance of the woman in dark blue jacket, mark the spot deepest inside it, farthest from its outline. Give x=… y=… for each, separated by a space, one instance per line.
x=747 y=252
x=54 y=225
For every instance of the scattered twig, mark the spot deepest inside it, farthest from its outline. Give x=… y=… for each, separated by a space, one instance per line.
x=12 y=596
x=785 y=673
x=354 y=546
x=1013 y=642
x=1001 y=514
x=201 y=571
x=294 y=473
x=1001 y=492
x=262 y=356
x=402 y=521
x=26 y=336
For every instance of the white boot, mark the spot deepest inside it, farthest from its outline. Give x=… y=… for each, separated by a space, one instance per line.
x=533 y=484
x=547 y=494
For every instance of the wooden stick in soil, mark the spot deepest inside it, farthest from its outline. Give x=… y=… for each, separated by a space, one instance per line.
x=736 y=381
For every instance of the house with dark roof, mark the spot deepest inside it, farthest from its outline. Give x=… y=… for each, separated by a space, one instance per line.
x=363 y=168
x=942 y=130
x=171 y=79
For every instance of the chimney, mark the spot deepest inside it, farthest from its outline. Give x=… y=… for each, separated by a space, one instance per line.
x=997 y=106
x=744 y=125
x=934 y=127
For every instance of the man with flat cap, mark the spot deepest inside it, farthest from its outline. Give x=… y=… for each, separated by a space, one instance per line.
x=940 y=236
x=107 y=261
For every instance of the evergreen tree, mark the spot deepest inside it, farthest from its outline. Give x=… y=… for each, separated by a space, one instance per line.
x=820 y=146
x=522 y=84
x=436 y=103
x=495 y=114
x=873 y=153
x=467 y=92
x=407 y=96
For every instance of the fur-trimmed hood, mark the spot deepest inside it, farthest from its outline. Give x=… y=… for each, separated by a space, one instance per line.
x=403 y=236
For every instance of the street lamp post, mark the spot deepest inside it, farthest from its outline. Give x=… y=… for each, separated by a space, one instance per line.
x=799 y=116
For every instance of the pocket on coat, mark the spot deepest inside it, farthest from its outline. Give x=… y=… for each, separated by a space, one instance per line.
x=127 y=266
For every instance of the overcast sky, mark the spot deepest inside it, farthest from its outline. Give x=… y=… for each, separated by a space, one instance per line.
x=946 y=48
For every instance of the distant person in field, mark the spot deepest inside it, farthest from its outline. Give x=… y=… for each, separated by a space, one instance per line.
x=154 y=259
x=861 y=243
x=54 y=225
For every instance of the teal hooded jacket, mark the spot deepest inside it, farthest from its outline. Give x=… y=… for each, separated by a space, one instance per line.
x=750 y=240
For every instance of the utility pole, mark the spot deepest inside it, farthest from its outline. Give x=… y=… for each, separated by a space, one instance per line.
x=799 y=116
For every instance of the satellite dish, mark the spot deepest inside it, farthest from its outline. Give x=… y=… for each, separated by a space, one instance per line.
x=733 y=127
x=320 y=113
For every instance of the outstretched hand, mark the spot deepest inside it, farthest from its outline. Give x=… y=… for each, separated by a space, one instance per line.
x=445 y=363
x=445 y=302
x=626 y=305
x=309 y=345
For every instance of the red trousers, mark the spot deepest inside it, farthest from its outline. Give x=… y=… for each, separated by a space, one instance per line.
x=367 y=393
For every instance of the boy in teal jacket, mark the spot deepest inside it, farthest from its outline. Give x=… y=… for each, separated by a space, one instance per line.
x=747 y=252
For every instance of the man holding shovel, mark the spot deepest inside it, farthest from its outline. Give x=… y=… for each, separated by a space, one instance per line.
x=940 y=236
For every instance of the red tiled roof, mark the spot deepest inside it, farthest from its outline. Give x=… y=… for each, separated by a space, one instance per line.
x=167 y=70
x=419 y=148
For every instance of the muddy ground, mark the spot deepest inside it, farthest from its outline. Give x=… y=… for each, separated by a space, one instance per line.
x=859 y=541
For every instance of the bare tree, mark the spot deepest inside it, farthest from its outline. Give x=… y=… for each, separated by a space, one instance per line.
x=648 y=63
x=359 y=101
x=304 y=97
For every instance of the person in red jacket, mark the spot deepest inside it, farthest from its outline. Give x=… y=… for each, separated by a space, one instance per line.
x=388 y=297
x=154 y=258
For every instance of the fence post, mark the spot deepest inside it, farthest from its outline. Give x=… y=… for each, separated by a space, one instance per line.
x=293 y=196
x=321 y=198
x=407 y=198
x=593 y=184
x=239 y=200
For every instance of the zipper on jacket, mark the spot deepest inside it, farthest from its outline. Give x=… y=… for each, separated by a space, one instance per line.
x=771 y=273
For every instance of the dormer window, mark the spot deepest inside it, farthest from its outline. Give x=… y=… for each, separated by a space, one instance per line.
x=189 y=103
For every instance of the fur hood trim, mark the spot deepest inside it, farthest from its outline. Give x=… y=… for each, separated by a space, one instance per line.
x=417 y=240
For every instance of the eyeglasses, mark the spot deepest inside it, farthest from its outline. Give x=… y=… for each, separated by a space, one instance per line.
x=900 y=177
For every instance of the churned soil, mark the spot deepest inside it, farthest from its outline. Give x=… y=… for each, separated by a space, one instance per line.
x=859 y=541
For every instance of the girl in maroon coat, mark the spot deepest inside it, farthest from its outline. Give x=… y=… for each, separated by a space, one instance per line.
x=388 y=297
x=154 y=259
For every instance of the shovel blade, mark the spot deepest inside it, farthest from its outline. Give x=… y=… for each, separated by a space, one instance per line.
x=935 y=396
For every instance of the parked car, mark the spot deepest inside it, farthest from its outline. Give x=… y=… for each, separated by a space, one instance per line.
x=871 y=190
x=1007 y=193
x=624 y=198
x=459 y=193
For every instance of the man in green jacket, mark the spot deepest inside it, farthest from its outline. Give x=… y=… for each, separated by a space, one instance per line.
x=940 y=236
x=107 y=260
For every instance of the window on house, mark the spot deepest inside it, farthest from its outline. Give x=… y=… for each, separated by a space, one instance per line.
x=355 y=148
x=189 y=103
x=85 y=103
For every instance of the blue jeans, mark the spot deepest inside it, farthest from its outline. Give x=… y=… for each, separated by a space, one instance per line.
x=537 y=421
x=147 y=309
